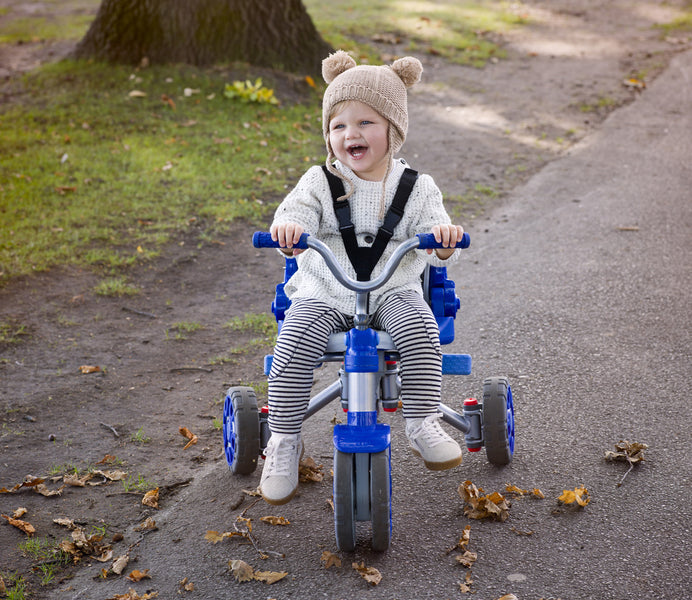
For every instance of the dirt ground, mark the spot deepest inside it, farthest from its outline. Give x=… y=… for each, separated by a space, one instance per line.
x=471 y=129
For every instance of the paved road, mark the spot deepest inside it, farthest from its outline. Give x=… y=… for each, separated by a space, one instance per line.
x=578 y=289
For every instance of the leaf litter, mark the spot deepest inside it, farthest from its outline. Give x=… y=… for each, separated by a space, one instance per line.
x=630 y=452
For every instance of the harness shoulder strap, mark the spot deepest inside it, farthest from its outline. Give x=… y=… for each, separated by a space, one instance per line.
x=365 y=258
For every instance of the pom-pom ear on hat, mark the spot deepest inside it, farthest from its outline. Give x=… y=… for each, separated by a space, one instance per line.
x=409 y=69
x=335 y=64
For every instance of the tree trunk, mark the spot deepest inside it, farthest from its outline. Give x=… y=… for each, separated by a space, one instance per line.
x=267 y=33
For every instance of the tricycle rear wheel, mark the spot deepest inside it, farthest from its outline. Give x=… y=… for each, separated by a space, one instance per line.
x=498 y=420
x=241 y=430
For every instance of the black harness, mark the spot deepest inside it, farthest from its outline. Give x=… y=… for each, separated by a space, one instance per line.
x=364 y=258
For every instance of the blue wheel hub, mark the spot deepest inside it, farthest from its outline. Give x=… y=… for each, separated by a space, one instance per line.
x=510 y=420
x=230 y=434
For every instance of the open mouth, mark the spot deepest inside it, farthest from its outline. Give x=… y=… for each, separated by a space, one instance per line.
x=357 y=151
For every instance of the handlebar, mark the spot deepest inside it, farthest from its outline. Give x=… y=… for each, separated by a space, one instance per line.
x=422 y=241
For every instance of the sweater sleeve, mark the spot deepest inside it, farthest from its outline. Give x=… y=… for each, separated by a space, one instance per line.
x=432 y=212
x=303 y=204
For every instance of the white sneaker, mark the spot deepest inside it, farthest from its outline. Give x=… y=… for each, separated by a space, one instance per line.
x=279 y=481
x=429 y=441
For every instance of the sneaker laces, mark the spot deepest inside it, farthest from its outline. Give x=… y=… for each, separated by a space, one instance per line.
x=430 y=432
x=281 y=455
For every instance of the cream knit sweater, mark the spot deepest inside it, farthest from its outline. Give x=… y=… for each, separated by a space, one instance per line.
x=309 y=204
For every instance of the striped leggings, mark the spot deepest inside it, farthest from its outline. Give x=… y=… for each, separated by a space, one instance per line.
x=303 y=340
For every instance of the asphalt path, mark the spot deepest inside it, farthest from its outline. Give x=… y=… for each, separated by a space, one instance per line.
x=577 y=289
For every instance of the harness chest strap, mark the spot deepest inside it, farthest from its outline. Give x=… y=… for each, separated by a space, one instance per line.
x=364 y=258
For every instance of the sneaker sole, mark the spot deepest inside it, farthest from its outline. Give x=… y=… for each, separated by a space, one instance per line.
x=439 y=466
x=280 y=501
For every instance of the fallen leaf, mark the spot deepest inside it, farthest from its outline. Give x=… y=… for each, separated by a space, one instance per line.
x=137 y=94
x=478 y=506
x=269 y=576
x=508 y=597
x=133 y=595
x=138 y=575
x=186 y=585
x=631 y=452
x=147 y=525
x=310 y=81
x=370 y=574
x=86 y=369
x=330 y=559
x=579 y=495
x=119 y=564
x=19 y=512
x=168 y=100
x=65 y=522
x=275 y=520
x=467 y=558
x=309 y=470
x=151 y=498
x=241 y=570
x=24 y=526
x=465 y=586
x=185 y=432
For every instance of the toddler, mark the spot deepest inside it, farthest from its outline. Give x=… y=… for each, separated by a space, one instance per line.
x=365 y=120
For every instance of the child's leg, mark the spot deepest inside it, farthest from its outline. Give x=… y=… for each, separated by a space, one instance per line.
x=302 y=341
x=408 y=319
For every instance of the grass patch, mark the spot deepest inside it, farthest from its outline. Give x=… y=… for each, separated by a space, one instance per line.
x=16 y=587
x=115 y=286
x=138 y=484
x=181 y=329
x=92 y=175
x=48 y=556
x=11 y=331
x=262 y=324
x=460 y=31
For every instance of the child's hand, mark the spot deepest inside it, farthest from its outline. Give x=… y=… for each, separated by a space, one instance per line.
x=287 y=234
x=449 y=235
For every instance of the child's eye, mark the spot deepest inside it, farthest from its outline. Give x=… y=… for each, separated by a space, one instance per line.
x=365 y=122
x=337 y=126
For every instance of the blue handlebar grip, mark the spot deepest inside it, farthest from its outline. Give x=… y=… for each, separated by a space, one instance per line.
x=263 y=239
x=427 y=240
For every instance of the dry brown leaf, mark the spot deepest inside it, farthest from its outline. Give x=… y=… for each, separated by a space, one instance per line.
x=330 y=559
x=75 y=480
x=119 y=564
x=370 y=574
x=579 y=495
x=19 y=512
x=241 y=570
x=309 y=470
x=29 y=482
x=275 y=520
x=508 y=597
x=107 y=460
x=151 y=498
x=3 y=588
x=185 y=432
x=186 y=585
x=86 y=369
x=147 y=525
x=24 y=526
x=269 y=576
x=467 y=558
x=138 y=575
x=478 y=506
x=465 y=586
x=65 y=522
x=631 y=452
x=133 y=595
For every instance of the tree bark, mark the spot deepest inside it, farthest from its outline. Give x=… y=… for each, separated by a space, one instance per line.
x=267 y=33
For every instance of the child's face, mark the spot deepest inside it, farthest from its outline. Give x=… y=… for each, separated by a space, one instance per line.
x=359 y=137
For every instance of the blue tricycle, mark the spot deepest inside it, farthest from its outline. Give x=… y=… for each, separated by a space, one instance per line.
x=369 y=381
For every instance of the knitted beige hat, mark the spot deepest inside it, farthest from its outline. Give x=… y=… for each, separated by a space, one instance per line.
x=383 y=88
